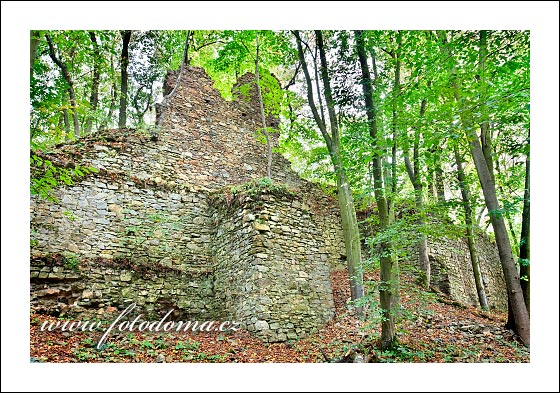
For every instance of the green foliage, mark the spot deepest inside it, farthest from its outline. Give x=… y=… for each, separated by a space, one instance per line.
x=187 y=345
x=145 y=344
x=71 y=261
x=45 y=177
x=85 y=354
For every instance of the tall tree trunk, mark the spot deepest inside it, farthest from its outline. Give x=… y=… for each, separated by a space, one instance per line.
x=186 y=59
x=413 y=170
x=94 y=97
x=66 y=121
x=485 y=176
x=431 y=183
x=485 y=136
x=389 y=285
x=511 y=276
x=35 y=38
x=69 y=82
x=261 y=106
x=317 y=86
x=345 y=199
x=112 y=105
x=465 y=194
x=394 y=123
x=436 y=176
x=440 y=188
x=125 y=34
x=524 y=249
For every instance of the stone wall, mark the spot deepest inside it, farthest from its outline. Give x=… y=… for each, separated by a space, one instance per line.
x=141 y=229
x=155 y=224
x=271 y=269
x=452 y=271
x=100 y=287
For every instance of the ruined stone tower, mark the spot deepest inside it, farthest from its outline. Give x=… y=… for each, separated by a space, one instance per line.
x=152 y=228
x=159 y=225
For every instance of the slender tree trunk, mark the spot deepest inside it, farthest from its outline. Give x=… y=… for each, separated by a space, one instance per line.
x=261 y=105
x=485 y=177
x=317 y=86
x=94 y=97
x=112 y=105
x=440 y=189
x=35 y=38
x=394 y=122
x=507 y=215
x=431 y=183
x=345 y=199
x=465 y=194
x=125 y=34
x=423 y=258
x=186 y=59
x=66 y=120
x=485 y=136
x=511 y=276
x=524 y=249
x=389 y=285
x=413 y=170
x=69 y=82
x=350 y=230
x=423 y=242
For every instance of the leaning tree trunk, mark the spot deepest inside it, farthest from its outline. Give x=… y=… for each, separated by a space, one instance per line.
x=126 y=34
x=350 y=230
x=485 y=176
x=69 y=82
x=350 y=227
x=511 y=276
x=465 y=194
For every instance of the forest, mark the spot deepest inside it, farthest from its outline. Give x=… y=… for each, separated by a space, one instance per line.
x=418 y=134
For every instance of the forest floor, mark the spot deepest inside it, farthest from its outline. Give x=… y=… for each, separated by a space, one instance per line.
x=432 y=329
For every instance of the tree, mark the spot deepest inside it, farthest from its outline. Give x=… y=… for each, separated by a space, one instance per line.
x=465 y=195
x=124 y=61
x=332 y=140
x=413 y=170
x=388 y=289
x=486 y=178
x=524 y=249
x=94 y=97
x=35 y=38
x=69 y=82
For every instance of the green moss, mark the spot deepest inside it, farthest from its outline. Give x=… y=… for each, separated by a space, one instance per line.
x=253 y=188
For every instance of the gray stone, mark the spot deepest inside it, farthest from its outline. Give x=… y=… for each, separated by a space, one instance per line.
x=261 y=227
x=261 y=325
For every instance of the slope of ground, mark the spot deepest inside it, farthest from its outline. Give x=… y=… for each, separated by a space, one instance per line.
x=432 y=329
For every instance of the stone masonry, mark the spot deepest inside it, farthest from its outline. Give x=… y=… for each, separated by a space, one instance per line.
x=156 y=224
x=142 y=229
